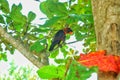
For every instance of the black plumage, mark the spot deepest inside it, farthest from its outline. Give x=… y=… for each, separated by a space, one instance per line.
x=59 y=36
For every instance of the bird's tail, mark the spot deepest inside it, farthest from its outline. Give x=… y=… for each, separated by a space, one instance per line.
x=51 y=47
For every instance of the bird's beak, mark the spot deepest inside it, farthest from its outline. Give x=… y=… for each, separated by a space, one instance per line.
x=70 y=33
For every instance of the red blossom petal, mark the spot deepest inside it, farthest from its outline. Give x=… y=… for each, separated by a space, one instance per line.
x=104 y=62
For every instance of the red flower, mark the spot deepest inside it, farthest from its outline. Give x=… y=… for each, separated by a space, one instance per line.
x=104 y=62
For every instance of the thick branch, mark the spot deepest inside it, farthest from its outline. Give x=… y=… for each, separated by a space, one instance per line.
x=20 y=47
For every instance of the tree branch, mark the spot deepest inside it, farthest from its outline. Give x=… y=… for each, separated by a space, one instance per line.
x=60 y=45
x=21 y=48
x=71 y=42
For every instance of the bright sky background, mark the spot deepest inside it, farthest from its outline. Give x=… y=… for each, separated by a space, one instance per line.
x=19 y=59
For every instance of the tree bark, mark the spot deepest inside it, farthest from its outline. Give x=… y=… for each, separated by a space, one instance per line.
x=38 y=60
x=107 y=26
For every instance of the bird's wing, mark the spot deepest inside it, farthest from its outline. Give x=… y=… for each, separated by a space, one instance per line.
x=59 y=36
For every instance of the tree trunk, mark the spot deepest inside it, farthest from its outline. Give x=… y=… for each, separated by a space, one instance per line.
x=107 y=26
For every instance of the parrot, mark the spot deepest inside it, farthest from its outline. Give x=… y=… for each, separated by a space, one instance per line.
x=60 y=37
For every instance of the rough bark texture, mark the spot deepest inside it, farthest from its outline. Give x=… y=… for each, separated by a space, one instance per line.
x=107 y=25
x=38 y=60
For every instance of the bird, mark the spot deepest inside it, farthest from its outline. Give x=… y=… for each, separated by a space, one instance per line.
x=60 y=37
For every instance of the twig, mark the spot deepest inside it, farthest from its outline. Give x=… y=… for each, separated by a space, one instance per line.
x=71 y=42
x=60 y=45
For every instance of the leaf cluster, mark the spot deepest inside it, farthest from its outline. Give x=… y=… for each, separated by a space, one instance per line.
x=74 y=72
x=20 y=26
x=76 y=14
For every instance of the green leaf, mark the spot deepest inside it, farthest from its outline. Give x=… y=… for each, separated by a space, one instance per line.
x=41 y=29
x=51 y=8
x=60 y=9
x=38 y=46
x=1 y=19
x=48 y=72
x=73 y=18
x=51 y=71
x=10 y=48
x=64 y=50
x=68 y=36
x=54 y=53
x=8 y=19
x=3 y=56
x=41 y=36
x=4 y=6
x=45 y=9
x=17 y=26
x=79 y=36
x=16 y=8
x=51 y=21
x=19 y=20
x=1 y=48
x=59 y=61
x=72 y=0
x=71 y=74
x=89 y=40
x=88 y=17
x=61 y=71
x=31 y=16
x=77 y=71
